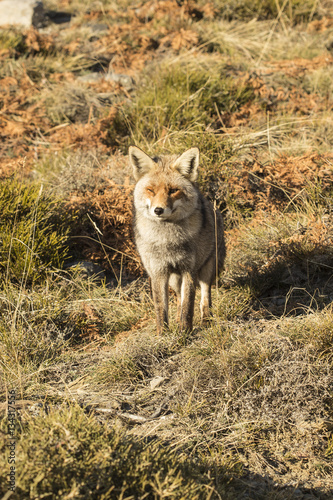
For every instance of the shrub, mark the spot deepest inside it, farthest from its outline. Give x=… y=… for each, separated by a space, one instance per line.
x=33 y=228
x=67 y=454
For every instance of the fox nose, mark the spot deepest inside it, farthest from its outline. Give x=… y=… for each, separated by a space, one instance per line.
x=159 y=210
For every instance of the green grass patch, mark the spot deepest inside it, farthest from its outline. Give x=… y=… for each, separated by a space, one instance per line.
x=294 y=11
x=178 y=98
x=34 y=231
x=11 y=39
x=67 y=454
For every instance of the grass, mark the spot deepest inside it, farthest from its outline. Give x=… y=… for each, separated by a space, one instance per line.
x=38 y=325
x=293 y=11
x=34 y=67
x=179 y=96
x=114 y=461
x=241 y=407
x=72 y=104
x=34 y=230
x=274 y=254
x=10 y=40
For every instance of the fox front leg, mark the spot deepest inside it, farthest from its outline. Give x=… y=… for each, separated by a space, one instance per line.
x=160 y=289
x=187 y=302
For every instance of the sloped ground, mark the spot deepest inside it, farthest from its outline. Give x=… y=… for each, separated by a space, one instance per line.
x=103 y=408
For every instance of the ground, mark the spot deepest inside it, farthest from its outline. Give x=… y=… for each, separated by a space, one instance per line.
x=97 y=405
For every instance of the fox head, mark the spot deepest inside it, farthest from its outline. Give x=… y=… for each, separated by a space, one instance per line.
x=165 y=186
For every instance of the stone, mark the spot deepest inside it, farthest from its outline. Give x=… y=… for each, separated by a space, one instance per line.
x=25 y=13
x=126 y=81
x=156 y=382
x=99 y=27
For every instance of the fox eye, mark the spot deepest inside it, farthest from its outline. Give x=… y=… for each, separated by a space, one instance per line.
x=150 y=190
x=173 y=190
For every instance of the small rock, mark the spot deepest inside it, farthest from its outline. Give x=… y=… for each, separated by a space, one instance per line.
x=96 y=28
x=90 y=78
x=37 y=409
x=24 y=13
x=156 y=382
x=126 y=81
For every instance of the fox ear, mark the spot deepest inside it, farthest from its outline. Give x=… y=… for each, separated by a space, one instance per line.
x=188 y=163
x=140 y=162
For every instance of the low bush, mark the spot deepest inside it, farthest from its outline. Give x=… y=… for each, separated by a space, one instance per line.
x=67 y=454
x=34 y=228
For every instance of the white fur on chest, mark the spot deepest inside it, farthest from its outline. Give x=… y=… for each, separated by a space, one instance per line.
x=164 y=244
x=165 y=233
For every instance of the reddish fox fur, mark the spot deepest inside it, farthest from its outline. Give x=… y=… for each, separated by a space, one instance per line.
x=178 y=233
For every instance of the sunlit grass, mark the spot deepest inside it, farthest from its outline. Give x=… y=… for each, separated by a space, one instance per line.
x=241 y=406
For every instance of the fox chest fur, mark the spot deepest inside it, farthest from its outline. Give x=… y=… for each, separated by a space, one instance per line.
x=173 y=245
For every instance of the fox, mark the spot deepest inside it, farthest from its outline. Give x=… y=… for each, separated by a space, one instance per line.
x=178 y=233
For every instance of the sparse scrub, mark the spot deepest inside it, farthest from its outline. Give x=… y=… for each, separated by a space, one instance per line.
x=71 y=103
x=49 y=65
x=83 y=172
x=320 y=81
x=22 y=42
x=242 y=407
x=79 y=457
x=273 y=247
x=137 y=359
x=233 y=303
x=34 y=231
x=37 y=66
x=294 y=11
x=10 y=40
x=179 y=97
x=253 y=42
x=314 y=331
x=244 y=375
x=37 y=325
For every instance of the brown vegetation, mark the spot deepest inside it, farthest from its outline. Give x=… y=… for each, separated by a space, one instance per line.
x=243 y=407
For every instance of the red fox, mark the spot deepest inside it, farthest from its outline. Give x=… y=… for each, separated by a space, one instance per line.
x=178 y=233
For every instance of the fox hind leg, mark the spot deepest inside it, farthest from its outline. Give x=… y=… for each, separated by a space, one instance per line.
x=206 y=278
x=206 y=301
x=175 y=282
